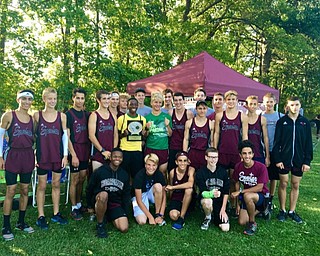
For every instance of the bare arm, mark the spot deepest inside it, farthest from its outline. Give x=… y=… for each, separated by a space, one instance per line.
x=190 y=115
x=265 y=139
x=186 y=135
x=188 y=184
x=217 y=130
x=244 y=121
x=211 y=125
x=64 y=128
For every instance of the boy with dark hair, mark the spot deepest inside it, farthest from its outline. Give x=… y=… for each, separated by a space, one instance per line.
x=109 y=188
x=167 y=103
x=140 y=95
x=18 y=160
x=293 y=152
x=213 y=183
x=79 y=149
x=180 y=188
x=253 y=175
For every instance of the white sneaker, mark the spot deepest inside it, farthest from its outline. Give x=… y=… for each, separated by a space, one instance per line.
x=205 y=224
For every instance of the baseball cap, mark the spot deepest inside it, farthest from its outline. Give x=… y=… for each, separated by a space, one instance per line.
x=139 y=90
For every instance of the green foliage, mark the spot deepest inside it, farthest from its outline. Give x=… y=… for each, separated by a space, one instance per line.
x=106 y=44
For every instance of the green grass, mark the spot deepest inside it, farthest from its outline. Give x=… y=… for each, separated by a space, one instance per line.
x=272 y=238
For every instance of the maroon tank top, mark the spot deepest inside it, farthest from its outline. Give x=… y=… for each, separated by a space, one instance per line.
x=79 y=134
x=49 y=140
x=178 y=194
x=255 y=136
x=199 y=136
x=20 y=134
x=105 y=132
x=176 y=140
x=229 y=134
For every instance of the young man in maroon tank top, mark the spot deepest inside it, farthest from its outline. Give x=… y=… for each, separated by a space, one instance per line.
x=257 y=131
x=18 y=160
x=181 y=180
x=217 y=104
x=229 y=126
x=180 y=115
x=103 y=131
x=198 y=134
x=52 y=135
x=79 y=148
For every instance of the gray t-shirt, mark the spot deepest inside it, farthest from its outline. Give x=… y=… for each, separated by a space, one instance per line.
x=271 y=126
x=145 y=110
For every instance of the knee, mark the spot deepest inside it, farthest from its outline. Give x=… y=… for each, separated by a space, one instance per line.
x=11 y=190
x=157 y=188
x=141 y=219
x=102 y=197
x=75 y=180
x=207 y=204
x=24 y=190
x=56 y=184
x=225 y=227
x=174 y=215
x=283 y=184
x=242 y=222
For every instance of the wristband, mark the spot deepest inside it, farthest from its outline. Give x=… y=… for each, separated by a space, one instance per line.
x=102 y=150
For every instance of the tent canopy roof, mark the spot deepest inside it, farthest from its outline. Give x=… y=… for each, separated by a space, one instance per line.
x=202 y=71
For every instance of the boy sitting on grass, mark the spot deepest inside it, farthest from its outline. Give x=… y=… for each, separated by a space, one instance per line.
x=149 y=186
x=181 y=180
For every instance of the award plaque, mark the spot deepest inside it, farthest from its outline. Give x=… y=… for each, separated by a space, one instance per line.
x=135 y=129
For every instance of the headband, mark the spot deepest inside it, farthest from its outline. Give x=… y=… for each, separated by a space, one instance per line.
x=115 y=94
x=24 y=94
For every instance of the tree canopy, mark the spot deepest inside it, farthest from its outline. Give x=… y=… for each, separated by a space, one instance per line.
x=108 y=43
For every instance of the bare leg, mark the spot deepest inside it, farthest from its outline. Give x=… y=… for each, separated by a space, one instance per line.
x=294 y=193
x=42 y=184
x=101 y=205
x=282 y=190
x=56 y=191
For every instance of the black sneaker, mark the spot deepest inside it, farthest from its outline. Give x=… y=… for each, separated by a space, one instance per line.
x=282 y=216
x=58 y=218
x=295 y=217
x=251 y=229
x=179 y=224
x=24 y=227
x=233 y=213
x=101 y=231
x=42 y=223
x=7 y=234
x=76 y=215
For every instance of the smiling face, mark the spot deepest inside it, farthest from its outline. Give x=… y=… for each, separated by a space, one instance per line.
x=182 y=162
x=252 y=105
x=151 y=167
x=269 y=103
x=247 y=155
x=140 y=96
x=168 y=99
x=199 y=95
x=104 y=100
x=156 y=105
x=232 y=101
x=212 y=159
x=116 y=159
x=50 y=100
x=25 y=102
x=132 y=106
x=178 y=102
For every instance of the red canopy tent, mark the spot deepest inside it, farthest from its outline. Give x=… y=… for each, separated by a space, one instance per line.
x=202 y=71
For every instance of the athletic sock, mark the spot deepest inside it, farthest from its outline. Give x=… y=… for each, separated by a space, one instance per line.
x=22 y=214
x=6 y=220
x=208 y=216
x=290 y=212
x=73 y=207
x=79 y=205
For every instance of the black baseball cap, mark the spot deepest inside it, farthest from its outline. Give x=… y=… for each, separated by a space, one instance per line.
x=140 y=90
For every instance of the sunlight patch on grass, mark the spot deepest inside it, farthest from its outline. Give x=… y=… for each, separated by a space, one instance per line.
x=17 y=251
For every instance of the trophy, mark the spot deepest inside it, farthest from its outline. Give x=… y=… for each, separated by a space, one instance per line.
x=135 y=130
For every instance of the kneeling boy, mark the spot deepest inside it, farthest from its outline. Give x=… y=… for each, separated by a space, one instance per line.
x=149 y=187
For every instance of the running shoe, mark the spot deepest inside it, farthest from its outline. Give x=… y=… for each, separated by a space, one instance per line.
x=59 y=219
x=101 y=231
x=76 y=215
x=24 y=227
x=42 y=223
x=251 y=229
x=7 y=234
x=295 y=217
x=205 y=224
x=179 y=224
x=282 y=216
